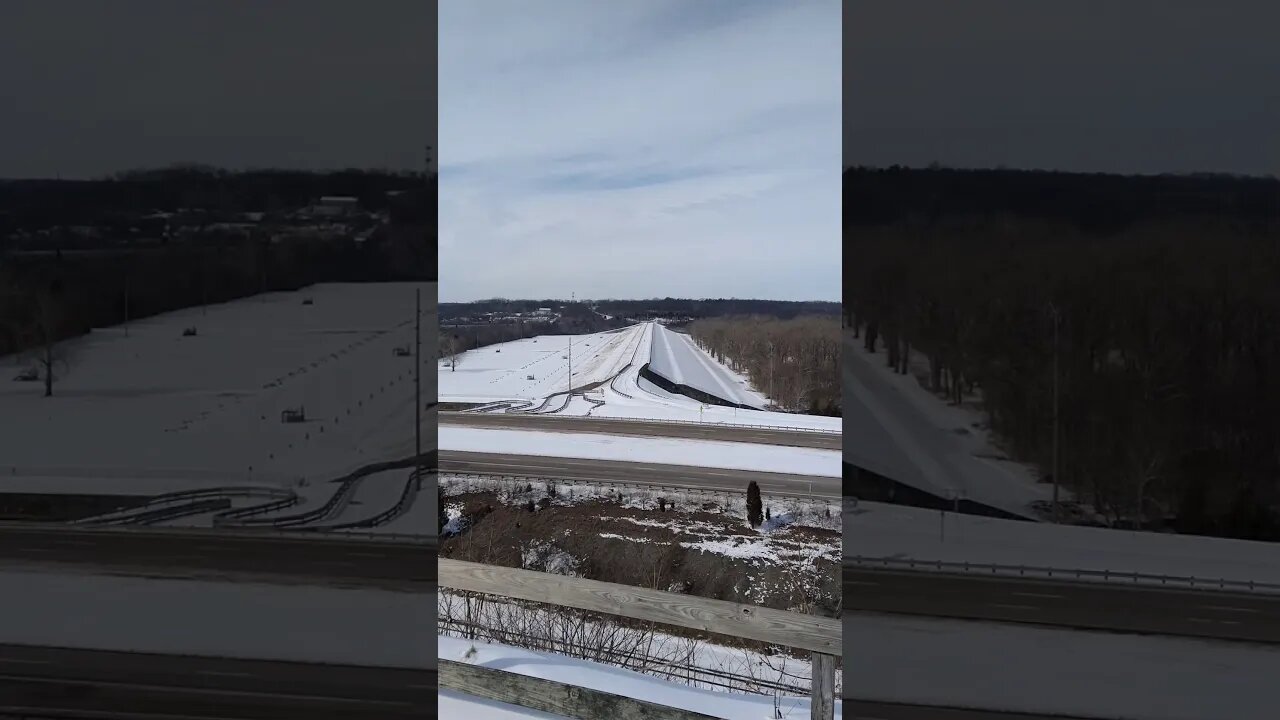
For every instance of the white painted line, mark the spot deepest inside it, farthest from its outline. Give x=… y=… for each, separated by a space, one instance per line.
x=1224 y=608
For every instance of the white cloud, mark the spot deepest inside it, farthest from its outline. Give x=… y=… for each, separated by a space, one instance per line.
x=640 y=149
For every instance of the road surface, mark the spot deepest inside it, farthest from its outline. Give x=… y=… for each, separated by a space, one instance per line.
x=709 y=431
x=1086 y=605
x=872 y=710
x=888 y=433
x=273 y=558
x=633 y=473
x=135 y=685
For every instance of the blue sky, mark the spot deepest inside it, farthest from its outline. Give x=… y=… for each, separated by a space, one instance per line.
x=640 y=148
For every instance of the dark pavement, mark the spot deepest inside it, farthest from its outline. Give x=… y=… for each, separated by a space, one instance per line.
x=223 y=553
x=568 y=423
x=1085 y=605
x=634 y=473
x=57 y=682
x=871 y=710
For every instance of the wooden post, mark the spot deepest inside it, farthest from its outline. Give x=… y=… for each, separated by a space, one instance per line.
x=823 y=687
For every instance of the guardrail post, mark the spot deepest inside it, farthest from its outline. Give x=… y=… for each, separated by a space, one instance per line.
x=823 y=687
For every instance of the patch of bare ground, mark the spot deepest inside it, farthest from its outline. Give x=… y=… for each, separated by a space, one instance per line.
x=691 y=549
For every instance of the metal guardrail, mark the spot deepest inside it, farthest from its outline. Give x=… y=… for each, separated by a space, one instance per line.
x=642 y=487
x=780 y=428
x=214 y=534
x=997 y=570
x=407 y=497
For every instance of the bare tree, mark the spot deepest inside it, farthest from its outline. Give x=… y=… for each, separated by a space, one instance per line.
x=45 y=321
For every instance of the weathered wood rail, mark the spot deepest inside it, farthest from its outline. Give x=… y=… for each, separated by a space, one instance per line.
x=820 y=636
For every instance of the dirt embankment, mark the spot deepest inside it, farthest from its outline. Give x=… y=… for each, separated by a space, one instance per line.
x=687 y=549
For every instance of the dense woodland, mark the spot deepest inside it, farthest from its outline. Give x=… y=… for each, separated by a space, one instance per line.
x=796 y=362
x=48 y=298
x=1156 y=300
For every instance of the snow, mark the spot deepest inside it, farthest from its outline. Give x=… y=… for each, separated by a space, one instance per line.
x=898 y=429
x=486 y=375
x=588 y=446
x=789 y=508
x=598 y=677
x=500 y=372
x=691 y=661
x=678 y=359
x=244 y=620
x=882 y=530
x=1051 y=671
x=143 y=401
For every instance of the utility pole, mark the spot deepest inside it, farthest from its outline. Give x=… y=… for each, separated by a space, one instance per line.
x=1054 y=310
x=417 y=385
x=572 y=296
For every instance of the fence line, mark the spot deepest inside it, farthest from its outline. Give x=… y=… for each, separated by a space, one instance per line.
x=779 y=428
x=553 y=697
x=820 y=636
x=992 y=569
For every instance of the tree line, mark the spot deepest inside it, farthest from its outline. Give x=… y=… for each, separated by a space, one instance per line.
x=796 y=362
x=1159 y=339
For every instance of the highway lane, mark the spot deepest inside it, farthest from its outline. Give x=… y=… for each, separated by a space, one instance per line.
x=888 y=433
x=874 y=710
x=223 y=553
x=579 y=424
x=1085 y=605
x=138 y=685
x=634 y=473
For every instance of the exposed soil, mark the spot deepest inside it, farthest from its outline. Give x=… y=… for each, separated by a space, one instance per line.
x=568 y=539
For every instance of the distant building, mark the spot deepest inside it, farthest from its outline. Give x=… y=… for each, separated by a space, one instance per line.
x=335 y=206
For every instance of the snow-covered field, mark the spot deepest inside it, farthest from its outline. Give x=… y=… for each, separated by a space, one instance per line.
x=245 y=620
x=598 y=677
x=500 y=373
x=143 y=409
x=1051 y=671
x=587 y=446
x=895 y=531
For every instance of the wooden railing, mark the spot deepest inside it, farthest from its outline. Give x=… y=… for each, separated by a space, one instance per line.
x=818 y=635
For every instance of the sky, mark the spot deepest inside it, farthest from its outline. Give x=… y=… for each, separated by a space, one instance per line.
x=1139 y=86
x=94 y=87
x=639 y=149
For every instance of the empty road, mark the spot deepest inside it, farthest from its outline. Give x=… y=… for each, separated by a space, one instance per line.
x=194 y=553
x=872 y=710
x=1087 y=605
x=892 y=434
x=605 y=426
x=66 y=682
x=634 y=473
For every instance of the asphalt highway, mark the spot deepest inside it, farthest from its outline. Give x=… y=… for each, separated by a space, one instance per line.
x=220 y=553
x=1084 y=605
x=633 y=473
x=871 y=710
x=64 y=682
x=579 y=424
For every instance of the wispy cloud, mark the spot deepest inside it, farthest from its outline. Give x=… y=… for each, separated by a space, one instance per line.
x=640 y=148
